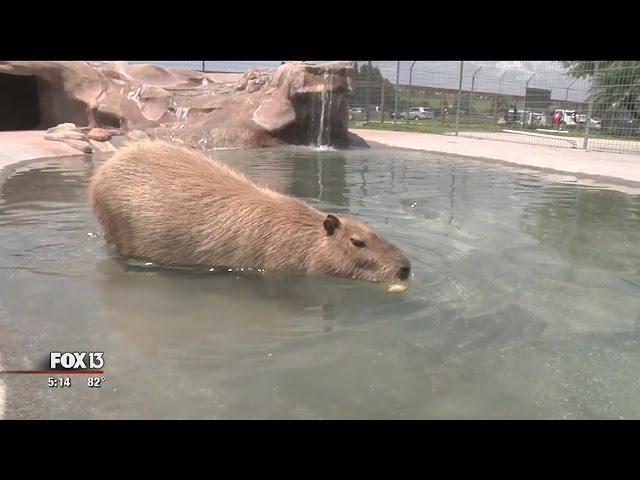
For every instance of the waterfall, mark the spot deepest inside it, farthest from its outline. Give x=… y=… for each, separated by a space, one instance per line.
x=181 y=120
x=181 y=117
x=324 y=129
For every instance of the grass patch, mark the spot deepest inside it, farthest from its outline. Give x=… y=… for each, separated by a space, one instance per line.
x=426 y=126
x=437 y=126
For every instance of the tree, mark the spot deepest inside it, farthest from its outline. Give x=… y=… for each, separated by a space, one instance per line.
x=371 y=80
x=362 y=74
x=615 y=87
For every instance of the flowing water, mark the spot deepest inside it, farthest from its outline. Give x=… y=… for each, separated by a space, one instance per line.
x=326 y=103
x=524 y=301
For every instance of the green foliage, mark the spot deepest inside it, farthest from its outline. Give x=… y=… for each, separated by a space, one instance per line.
x=369 y=82
x=615 y=85
x=581 y=69
x=363 y=73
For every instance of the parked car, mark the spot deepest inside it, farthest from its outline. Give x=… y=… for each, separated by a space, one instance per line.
x=573 y=119
x=593 y=123
x=534 y=119
x=513 y=117
x=451 y=110
x=523 y=118
x=569 y=118
x=417 y=113
x=623 y=123
x=355 y=112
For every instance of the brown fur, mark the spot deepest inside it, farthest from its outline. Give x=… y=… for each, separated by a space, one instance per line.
x=174 y=206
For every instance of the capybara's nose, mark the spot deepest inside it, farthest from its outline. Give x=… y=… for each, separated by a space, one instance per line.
x=403 y=272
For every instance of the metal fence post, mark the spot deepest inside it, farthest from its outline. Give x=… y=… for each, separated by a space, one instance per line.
x=203 y=66
x=366 y=93
x=395 y=107
x=459 y=97
x=594 y=85
x=382 y=103
x=526 y=93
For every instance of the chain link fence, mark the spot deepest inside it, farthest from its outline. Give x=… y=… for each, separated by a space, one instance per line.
x=586 y=105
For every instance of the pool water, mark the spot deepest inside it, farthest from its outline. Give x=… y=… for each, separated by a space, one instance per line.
x=524 y=301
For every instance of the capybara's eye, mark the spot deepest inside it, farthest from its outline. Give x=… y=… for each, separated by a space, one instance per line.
x=357 y=242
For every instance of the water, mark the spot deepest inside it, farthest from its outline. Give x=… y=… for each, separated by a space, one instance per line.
x=324 y=128
x=525 y=301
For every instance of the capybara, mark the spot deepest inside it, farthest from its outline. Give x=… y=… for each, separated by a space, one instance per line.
x=172 y=205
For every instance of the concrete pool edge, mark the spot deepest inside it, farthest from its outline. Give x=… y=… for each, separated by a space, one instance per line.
x=18 y=146
x=612 y=170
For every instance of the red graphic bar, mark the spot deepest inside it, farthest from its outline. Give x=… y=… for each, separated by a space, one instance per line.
x=60 y=373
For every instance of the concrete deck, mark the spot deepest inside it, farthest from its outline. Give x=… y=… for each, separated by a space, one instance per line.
x=25 y=145
x=630 y=147
x=610 y=168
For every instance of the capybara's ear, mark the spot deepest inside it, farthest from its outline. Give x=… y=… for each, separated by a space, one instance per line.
x=331 y=223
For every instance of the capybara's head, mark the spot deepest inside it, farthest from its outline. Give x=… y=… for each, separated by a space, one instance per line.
x=354 y=250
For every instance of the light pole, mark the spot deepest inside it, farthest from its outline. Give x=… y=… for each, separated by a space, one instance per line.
x=411 y=71
x=500 y=82
x=566 y=95
x=459 y=97
x=498 y=96
x=473 y=83
x=473 y=78
x=526 y=89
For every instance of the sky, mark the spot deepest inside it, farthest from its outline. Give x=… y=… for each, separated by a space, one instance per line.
x=492 y=77
x=506 y=77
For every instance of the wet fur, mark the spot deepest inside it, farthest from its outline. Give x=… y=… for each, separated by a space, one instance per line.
x=175 y=206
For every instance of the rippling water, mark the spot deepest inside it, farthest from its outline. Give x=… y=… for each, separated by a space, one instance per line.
x=524 y=302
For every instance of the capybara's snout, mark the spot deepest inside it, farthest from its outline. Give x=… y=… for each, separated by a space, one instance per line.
x=404 y=269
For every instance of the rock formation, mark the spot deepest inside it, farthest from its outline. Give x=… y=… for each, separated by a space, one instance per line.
x=83 y=139
x=296 y=103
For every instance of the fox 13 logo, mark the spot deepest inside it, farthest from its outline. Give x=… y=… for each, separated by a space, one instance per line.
x=76 y=360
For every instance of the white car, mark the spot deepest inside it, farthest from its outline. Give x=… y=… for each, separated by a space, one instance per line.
x=417 y=113
x=571 y=118
x=582 y=120
x=355 y=111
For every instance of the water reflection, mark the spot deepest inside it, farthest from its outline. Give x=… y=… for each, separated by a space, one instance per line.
x=54 y=180
x=318 y=176
x=592 y=227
